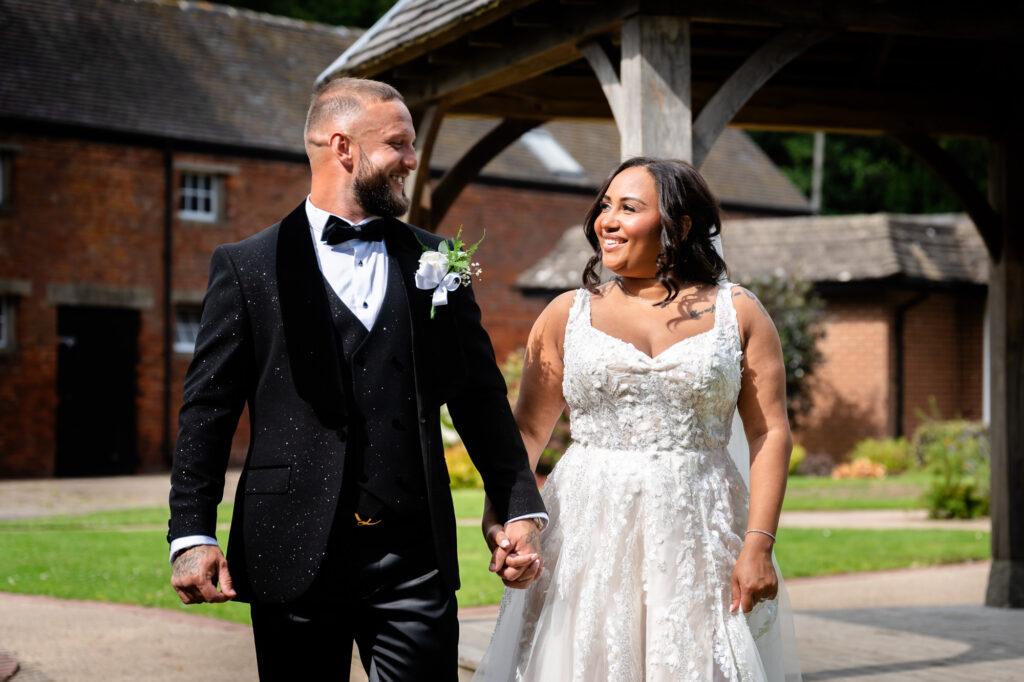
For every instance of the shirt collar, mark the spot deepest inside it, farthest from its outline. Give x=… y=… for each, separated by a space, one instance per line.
x=318 y=219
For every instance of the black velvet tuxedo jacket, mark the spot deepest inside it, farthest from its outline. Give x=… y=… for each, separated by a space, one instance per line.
x=266 y=340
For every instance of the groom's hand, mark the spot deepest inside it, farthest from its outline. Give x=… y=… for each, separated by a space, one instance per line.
x=197 y=571
x=516 y=552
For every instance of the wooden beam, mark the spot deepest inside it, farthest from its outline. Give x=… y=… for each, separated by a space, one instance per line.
x=655 y=115
x=772 y=107
x=745 y=81
x=428 y=123
x=546 y=49
x=960 y=184
x=867 y=111
x=600 y=61
x=1006 y=428
x=469 y=166
x=993 y=20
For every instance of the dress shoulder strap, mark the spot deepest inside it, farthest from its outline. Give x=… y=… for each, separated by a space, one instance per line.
x=727 y=311
x=579 y=314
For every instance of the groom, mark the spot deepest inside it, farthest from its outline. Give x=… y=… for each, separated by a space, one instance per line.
x=343 y=525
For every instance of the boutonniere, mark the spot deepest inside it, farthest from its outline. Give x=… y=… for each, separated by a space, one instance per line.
x=446 y=269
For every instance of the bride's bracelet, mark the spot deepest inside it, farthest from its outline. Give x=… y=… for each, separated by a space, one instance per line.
x=758 y=530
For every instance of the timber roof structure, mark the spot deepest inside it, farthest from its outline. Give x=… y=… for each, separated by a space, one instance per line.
x=882 y=67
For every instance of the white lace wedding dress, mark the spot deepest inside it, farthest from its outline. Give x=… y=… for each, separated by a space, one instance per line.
x=647 y=519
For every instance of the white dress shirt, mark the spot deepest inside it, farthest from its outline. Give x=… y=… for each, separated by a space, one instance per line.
x=357 y=270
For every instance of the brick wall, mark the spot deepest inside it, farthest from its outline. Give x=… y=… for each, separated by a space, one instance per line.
x=851 y=388
x=943 y=357
x=91 y=214
x=854 y=392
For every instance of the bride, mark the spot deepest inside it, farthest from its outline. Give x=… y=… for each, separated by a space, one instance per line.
x=658 y=563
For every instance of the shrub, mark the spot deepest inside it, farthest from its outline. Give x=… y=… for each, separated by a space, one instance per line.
x=956 y=454
x=796 y=458
x=460 y=468
x=861 y=467
x=798 y=314
x=816 y=464
x=892 y=453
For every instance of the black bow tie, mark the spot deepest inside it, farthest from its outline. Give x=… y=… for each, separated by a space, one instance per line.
x=337 y=231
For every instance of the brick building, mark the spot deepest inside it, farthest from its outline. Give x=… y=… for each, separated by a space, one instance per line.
x=905 y=306
x=137 y=135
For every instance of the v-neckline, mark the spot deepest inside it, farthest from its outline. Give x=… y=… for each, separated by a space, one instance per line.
x=653 y=358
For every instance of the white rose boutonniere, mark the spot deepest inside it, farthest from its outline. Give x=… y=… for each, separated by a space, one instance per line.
x=446 y=269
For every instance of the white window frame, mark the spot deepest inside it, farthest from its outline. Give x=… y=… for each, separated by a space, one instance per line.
x=198 y=202
x=186 y=328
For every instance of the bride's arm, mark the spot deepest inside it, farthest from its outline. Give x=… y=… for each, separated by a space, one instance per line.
x=536 y=411
x=762 y=406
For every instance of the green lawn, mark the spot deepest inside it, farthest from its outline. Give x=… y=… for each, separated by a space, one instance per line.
x=816 y=551
x=122 y=556
x=894 y=492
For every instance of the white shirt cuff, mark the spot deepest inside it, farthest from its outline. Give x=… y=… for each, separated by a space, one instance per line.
x=181 y=544
x=539 y=515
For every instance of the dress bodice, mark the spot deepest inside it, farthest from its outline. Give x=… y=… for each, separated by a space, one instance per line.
x=681 y=400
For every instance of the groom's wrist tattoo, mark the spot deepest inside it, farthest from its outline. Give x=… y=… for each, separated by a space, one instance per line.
x=187 y=563
x=533 y=537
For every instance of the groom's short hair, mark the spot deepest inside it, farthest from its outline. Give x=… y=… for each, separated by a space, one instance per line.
x=338 y=99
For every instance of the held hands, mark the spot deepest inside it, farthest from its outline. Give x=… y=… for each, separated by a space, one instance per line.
x=753 y=577
x=515 y=552
x=197 y=571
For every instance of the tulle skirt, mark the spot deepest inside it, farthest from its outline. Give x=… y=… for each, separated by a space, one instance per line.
x=637 y=579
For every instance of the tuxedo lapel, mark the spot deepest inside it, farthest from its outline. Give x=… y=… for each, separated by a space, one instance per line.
x=402 y=243
x=307 y=322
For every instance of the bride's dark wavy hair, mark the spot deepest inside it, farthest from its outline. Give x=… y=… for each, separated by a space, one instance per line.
x=686 y=256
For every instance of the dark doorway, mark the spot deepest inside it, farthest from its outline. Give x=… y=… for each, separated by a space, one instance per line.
x=96 y=388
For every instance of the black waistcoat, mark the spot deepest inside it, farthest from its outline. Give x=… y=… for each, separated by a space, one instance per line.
x=383 y=454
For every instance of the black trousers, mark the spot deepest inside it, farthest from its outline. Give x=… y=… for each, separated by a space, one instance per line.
x=386 y=596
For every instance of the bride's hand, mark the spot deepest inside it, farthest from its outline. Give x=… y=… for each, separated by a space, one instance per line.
x=753 y=578
x=515 y=552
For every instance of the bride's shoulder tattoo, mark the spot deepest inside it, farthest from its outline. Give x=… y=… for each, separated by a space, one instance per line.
x=740 y=291
x=694 y=314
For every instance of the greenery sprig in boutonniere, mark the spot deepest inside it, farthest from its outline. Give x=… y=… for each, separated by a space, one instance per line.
x=446 y=269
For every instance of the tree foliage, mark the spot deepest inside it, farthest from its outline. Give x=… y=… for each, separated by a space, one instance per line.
x=798 y=314
x=355 y=13
x=868 y=174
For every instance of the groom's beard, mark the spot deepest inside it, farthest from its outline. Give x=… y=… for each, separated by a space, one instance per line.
x=373 y=192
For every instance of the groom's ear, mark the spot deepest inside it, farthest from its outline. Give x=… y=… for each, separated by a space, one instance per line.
x=344 y=149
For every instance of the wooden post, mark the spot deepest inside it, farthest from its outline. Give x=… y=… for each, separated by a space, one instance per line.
x=655 y=87
x=1006 y=291
x=428 y=123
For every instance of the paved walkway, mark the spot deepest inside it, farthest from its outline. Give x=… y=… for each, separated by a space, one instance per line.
x=916 y=624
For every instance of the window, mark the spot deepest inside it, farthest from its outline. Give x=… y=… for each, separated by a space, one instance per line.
x=186 y=329
x=199 y=197
x=6 y=324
